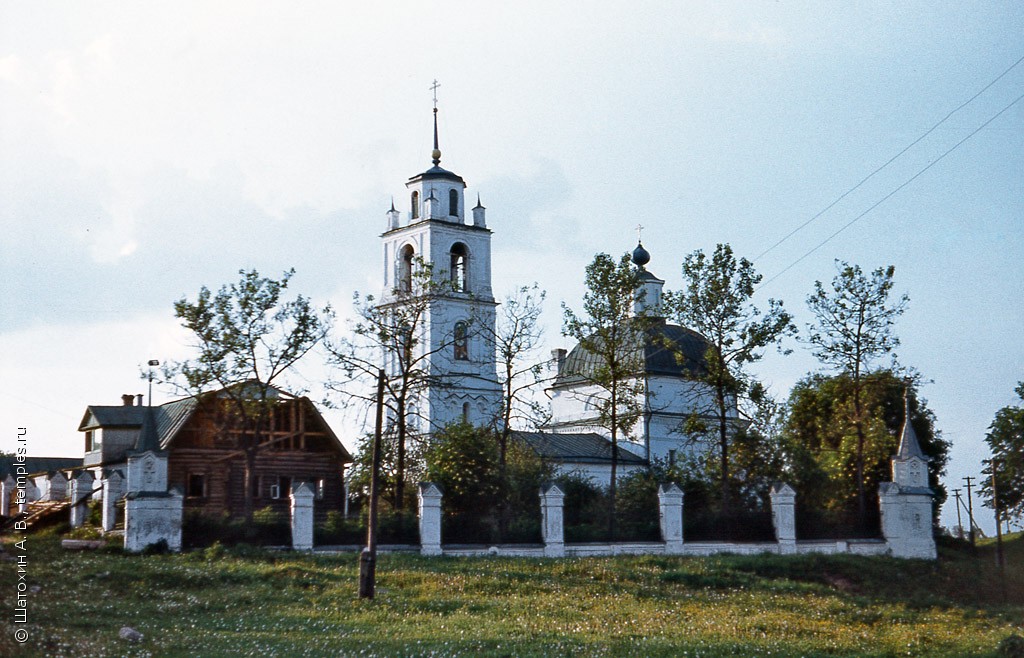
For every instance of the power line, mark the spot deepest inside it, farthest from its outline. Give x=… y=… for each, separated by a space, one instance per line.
x=889 y=161
x=890 y=194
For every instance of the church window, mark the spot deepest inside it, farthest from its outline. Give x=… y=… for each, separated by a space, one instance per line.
x=459 y=267
x=405 y=269
x=465 y=412
x=453 y=203
x=461 y=342
x=415 y=204
x=196 y=485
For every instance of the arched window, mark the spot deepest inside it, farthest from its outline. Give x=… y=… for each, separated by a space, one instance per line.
x=465 y=412
x=459 y=267
x=405 y=269
x=460 y=344
x=415 y=205
x=453 y=203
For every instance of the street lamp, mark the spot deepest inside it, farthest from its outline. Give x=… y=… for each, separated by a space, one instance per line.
x=152 y=364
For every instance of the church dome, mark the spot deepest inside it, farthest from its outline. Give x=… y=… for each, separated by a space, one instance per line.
x=669 y=350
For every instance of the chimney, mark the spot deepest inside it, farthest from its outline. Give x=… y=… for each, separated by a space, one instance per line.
x=127 y=399
x=558 y=357
x=138 y=400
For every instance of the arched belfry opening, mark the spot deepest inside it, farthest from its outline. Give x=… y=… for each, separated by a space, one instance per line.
x=415 y=204
x=459 y=267
x=453 y=203
x=405 y=268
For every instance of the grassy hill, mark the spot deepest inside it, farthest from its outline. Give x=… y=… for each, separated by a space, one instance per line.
x=255 y=603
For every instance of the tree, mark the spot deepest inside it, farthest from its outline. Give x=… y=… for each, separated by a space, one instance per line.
x=854 y=327
x=464 y=461
x=612 y=335
x=757 y=450
x=515 y=338
x=716 y=303
x=392 y=334
x=247 y=337
x=1005 y=439
x=823 y=448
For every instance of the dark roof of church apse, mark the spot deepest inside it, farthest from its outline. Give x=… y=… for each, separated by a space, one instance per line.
x=583 y=448
x=669 y=350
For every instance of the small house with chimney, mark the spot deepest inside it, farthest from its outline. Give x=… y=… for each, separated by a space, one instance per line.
x=207 y=445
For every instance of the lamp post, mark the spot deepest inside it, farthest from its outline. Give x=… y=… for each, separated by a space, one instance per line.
x=152 y=363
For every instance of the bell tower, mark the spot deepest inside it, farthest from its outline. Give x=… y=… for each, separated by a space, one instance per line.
x=437 y=254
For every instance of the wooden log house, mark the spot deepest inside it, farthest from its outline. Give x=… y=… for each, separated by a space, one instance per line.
x=205 y=442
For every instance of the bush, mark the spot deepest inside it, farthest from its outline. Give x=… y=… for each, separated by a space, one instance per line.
x=339 y=530
x=817 y=523
x=268 y=528
x=1012 y=646
x=484 y=503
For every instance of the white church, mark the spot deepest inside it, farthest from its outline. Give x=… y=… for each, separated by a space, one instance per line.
x=455 y=244
x=439 y=230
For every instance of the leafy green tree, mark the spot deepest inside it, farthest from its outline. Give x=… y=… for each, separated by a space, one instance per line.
x=464 y=460
x=853 y=327
x=716 y=303
x=247 y=337
x=823 y=448
x=392 y=334
x=515 y=339
x=758 y=449
x=612 y=334
x=1005 y=439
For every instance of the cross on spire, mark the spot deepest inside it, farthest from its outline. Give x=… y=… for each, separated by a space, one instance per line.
x=639 y=231
x=436 y=153
x=433 y=88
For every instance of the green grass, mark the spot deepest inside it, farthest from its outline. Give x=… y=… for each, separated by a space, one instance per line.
x=251 y=603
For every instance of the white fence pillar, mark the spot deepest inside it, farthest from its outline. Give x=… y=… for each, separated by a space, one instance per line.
x=552 y=523
x=430 y=518
x=784 y=516
x=670 y=514
x=302 y=516
x=152 y=517
x=56 y=487
x=113 y=491
x=29 y=494
x=907 y=521
x=81 y=494
x=7 y=495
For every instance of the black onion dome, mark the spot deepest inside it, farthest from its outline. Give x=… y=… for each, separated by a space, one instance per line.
x=669 y=351
x=640 y=255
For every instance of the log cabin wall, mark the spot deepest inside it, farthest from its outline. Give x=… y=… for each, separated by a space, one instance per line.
x=207 y=464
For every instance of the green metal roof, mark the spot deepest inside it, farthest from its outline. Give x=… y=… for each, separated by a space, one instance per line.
x=589 y=448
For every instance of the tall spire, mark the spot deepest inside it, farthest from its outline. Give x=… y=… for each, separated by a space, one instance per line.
x=909 y=445
x=436 y=153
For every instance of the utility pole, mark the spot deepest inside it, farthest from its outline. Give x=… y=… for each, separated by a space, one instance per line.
x=959 y=523
x=995 y=503
x=970 y=509
x=368 y=558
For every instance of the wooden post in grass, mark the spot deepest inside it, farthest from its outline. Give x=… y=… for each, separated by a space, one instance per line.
x=368 y=558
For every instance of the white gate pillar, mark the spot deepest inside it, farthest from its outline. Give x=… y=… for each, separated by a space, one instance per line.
x=784 y=516
x=430 y=518
x=552 y=523
x=302 y=516
x=670 y=514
